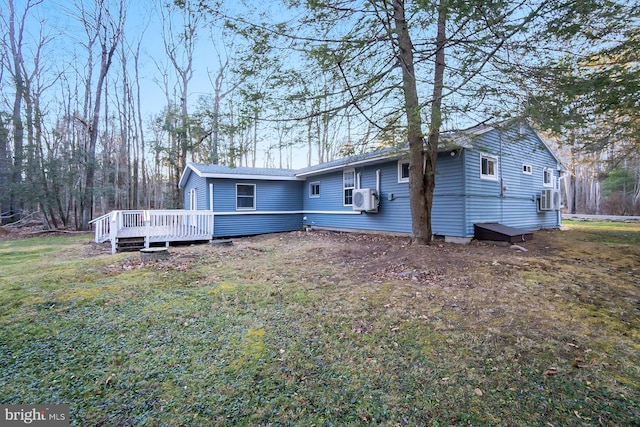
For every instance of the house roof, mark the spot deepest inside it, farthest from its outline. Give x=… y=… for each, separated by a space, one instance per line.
x=449 y=141
x=241 y=172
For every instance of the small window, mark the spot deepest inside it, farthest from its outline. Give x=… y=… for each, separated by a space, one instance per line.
x=488 y=167
x=314 y=189
x=349 y=184
x=245 y=197
x=526 y=169
x=547 y=177
x=403 y=171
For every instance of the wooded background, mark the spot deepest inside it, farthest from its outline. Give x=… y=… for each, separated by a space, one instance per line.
x=103 y=102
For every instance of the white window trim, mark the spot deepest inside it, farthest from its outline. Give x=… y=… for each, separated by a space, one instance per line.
x=495 y=160
x=526 y=166
x=193 y=199
x=255 y=198
x=400 y=178
x=344 y=172
x=314 y=196
x=551 y=183
x=211 y=197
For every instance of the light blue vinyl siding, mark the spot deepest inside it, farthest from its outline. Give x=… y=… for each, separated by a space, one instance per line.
x=270 y=196
x=393 y=215
x=448 y=213
x=461 y=197
x=246 y=225
x=516 y=204
x=202 y=189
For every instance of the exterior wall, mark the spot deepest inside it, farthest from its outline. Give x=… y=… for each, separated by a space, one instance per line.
x=246 y=225
x=202 y=192
x=512 y=199
x=270 y=197
x=461 y=197
x=394 y=214
x=448 y=215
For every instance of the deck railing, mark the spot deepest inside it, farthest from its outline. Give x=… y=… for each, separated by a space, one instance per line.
x=154 y=225
x=101 y=226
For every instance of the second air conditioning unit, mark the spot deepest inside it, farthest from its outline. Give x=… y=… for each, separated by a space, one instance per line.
x=365 y=200
x=550 y=200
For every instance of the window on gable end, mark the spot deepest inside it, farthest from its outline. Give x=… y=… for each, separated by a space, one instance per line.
x=488 y=167
x=547 y=177
x=526 y=169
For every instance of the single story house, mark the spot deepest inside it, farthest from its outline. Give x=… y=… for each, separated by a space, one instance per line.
x=505 y=174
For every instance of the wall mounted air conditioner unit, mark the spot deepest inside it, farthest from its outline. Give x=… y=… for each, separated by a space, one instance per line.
x=550 y=200
x=365 y=200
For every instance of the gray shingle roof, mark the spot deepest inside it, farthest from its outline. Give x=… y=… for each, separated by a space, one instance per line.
x=241 y=170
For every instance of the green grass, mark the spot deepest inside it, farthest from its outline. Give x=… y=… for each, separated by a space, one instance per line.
x=283 y=330
x=606 y=231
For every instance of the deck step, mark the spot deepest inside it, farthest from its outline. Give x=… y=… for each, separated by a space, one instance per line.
x=129 y=244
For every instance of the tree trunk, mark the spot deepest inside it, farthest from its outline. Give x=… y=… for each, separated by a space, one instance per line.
x=419 y=199
x=109 y=35
x=15 y=40
x=4 y=170
x=436 y=119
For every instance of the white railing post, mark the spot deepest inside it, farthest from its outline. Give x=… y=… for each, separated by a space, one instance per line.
x=113 y=230
x=147 y=228
x=98 y=231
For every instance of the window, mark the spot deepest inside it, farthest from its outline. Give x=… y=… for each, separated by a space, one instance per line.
x=349 y=184
x=526 y=169
x=314 y=189
x=403 y=171
x=547 y=177
x=488 y=167
x=245 y=197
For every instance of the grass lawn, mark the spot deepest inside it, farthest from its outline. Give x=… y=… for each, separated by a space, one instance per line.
x=328 y=329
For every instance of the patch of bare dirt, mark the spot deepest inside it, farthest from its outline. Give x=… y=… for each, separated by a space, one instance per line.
x=383 y=258
x=379 y=257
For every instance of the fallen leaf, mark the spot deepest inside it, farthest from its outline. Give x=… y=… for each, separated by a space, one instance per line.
x=478 y=392
x=551 y=371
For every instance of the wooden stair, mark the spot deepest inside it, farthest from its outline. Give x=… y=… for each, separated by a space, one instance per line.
x=125 y=244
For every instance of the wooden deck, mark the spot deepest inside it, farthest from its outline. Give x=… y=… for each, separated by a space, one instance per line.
x=136 y=229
